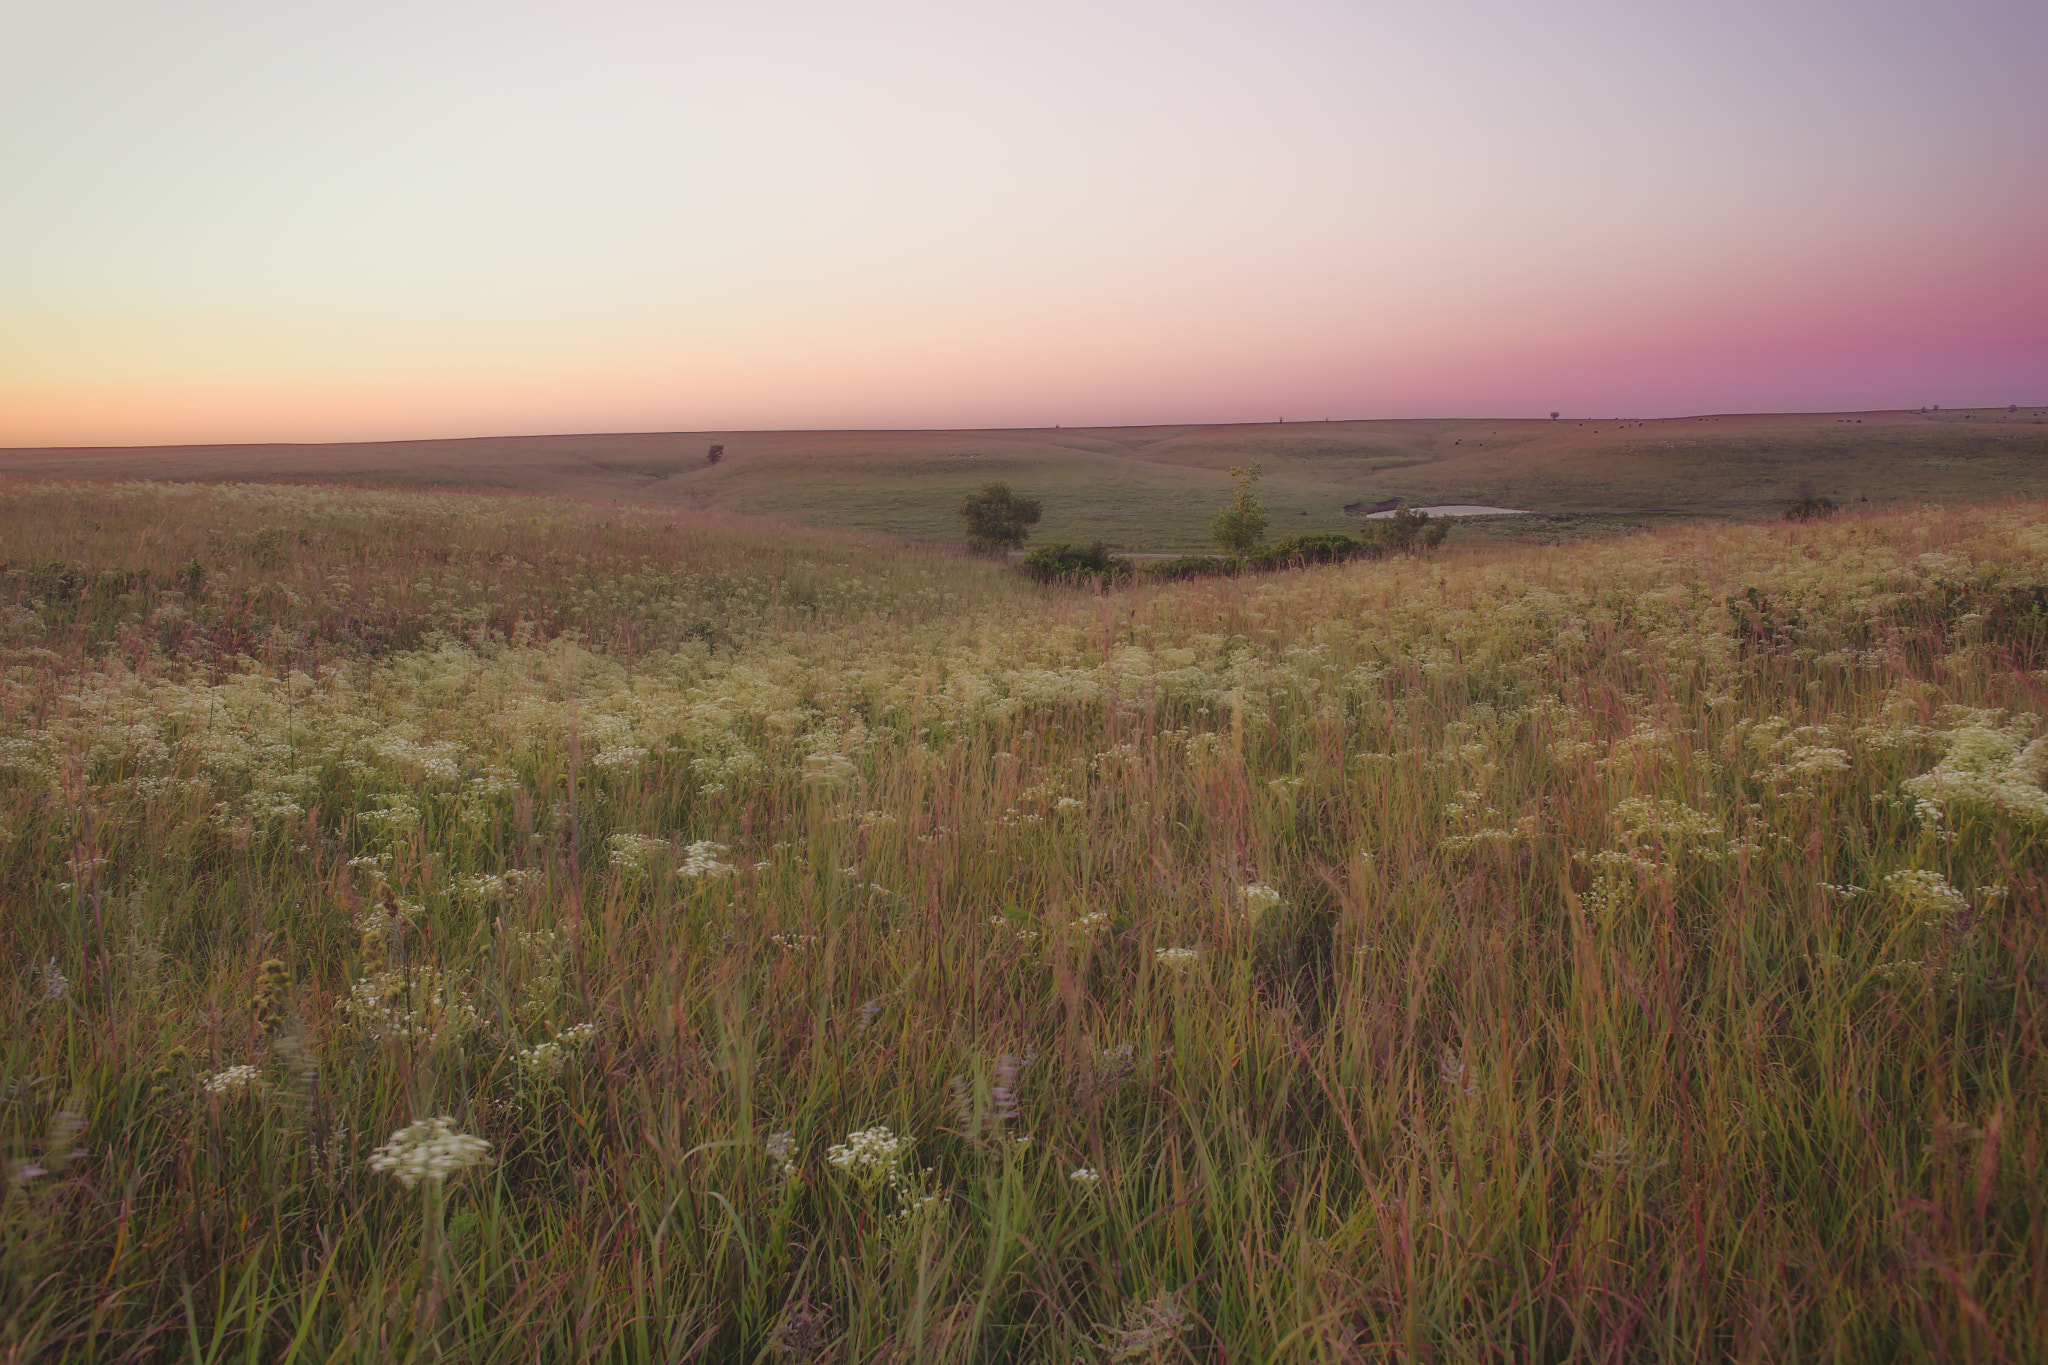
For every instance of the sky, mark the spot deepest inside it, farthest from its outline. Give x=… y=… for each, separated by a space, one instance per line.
x=299 y=220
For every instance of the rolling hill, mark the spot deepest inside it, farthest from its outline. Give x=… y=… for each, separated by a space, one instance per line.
x=1155 y=487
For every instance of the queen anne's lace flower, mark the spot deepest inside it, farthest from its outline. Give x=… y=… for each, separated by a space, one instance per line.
x=1180 y=959
x=430 y=1150
x=701 y=860
x=234 y=1078
x=1988 y=771
x=1928 y=895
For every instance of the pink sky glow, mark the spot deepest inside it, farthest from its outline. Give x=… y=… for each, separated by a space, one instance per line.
x=236 y=221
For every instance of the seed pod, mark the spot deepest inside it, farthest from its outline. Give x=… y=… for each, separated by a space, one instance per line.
x=268 y=1004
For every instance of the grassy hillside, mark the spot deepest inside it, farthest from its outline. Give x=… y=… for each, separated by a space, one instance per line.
x=1155 y=488
x=849 y=952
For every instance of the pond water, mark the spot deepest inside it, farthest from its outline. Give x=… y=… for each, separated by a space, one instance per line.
x=1457 y=509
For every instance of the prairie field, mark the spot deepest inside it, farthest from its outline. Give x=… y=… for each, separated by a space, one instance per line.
x=499 y=928
x=1155 y=488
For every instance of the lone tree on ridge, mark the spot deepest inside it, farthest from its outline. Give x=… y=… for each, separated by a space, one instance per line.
x=998 y=519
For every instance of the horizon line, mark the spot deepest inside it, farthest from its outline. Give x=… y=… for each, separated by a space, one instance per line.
x=1098 y=426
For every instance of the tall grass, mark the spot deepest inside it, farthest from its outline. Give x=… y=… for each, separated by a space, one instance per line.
x=1626 y=952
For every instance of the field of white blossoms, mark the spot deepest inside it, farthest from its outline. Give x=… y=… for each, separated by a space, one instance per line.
x=490 y=929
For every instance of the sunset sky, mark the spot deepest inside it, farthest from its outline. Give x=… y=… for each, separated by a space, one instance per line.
x=313 y=221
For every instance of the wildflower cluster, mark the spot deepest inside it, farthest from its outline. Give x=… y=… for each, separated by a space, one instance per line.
x=1259 y=899
x=1988 y=771
x=420 y=1005
x=781 y=1149
x=874 y=1158
x=231 y=1080
x=430 y=1150
x=547 y=1059
x=701 y=860
x=870 y=1155
x=1927 y=894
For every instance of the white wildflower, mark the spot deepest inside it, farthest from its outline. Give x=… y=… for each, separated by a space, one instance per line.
x=629 y=852
x=701 y=860
x=1928 y=895
x=1989 y=771
x=910 y=1205
x=1179 y=959
x=781 y=1149
x=1085 y=1175
x=1259 y=899
x=483 y=886
x=233 y=1079
x=548 y=1059
x=869 y=1155
x=421 y=1005
x=430 y=1150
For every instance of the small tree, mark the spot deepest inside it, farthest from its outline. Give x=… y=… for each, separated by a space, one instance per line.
x=998 y=519
x=1409 y=530
x=1240 y=527
x=714 y=455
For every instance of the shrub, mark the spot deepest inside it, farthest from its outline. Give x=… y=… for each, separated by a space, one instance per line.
x=1409 y=530
x=1191 y=566
x=1321 y=547
x=1061 y=562
x=1812 y=507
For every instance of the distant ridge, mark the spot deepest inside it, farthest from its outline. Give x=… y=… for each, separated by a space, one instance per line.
x=1156 y=487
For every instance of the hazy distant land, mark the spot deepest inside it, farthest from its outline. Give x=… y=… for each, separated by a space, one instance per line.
x=1156 y=487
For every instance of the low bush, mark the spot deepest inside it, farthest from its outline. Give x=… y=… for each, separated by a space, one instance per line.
x=1191 y=566
x=1324 y=547
x=1062 y=562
